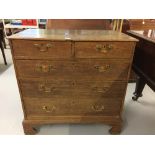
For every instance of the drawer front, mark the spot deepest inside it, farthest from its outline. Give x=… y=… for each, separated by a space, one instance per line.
x=88 y=69
x=27 y=49
x=55 y=88
x=72 y=106
x=103 y=49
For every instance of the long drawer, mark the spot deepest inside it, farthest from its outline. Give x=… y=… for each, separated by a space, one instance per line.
x=58 y=88
x=90 y=69
x=31 y=49
x=103 y=49
x=72 y=106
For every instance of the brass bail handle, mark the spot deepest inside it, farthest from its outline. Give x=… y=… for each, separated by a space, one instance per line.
x=98 y=108
x=100 y=89
x=103 y=48
x=102 y=68
x=44 y=68
x=48 y=109
x=46 y=89
x=42 y=47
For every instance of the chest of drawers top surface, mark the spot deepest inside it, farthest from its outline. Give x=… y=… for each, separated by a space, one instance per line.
x=74 y=35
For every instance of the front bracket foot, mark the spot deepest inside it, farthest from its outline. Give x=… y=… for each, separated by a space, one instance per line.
x=116 y=129
x=29 y=129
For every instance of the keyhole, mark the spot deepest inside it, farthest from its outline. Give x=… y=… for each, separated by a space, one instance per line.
x=73 y=83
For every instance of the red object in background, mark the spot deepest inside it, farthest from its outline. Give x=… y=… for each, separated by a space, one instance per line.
x=32 y=22
x=29 y=22
x=24 y=22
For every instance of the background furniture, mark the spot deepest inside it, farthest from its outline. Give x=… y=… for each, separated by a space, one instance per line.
x=72 y=76
x=2 y=42
x=137 y=24
x=141 y=24
x=2 y=33
x=42 y=23
x=117 y=24
x=75 y=24
x=144 y=60
x=17 y=27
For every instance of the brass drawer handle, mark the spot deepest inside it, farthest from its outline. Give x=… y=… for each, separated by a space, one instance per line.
x=100 y=90
x=44 y=68
x=102 y=68
x=48 y=109
x=98 y=108
x=42 y=47
x=45 y=89
x=103 y=48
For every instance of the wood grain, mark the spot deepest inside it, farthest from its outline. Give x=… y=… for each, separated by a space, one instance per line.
x=41 y=88
x=87 y=69
x=103 y=49
x=74 y=24
x=40 y=50
x=72 y=106
x=74 y=35
x=72 y=76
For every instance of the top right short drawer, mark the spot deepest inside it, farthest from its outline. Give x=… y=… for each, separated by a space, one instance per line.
x=103 y=49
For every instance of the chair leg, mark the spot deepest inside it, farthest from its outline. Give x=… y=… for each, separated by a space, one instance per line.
x=3 y=39
x=4 y=43
x=2 y=49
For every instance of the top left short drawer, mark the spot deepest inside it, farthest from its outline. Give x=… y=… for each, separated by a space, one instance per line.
x=36 y=49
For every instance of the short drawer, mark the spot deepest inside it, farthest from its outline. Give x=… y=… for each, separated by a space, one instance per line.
x=57 y=88
x=103 y=49
x=72 y=106
x=31 y=49
x=106 y=69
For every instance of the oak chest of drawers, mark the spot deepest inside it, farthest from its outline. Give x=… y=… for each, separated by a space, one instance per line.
x=76 y=76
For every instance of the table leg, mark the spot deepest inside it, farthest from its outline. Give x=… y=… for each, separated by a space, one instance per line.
x=139 y=88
